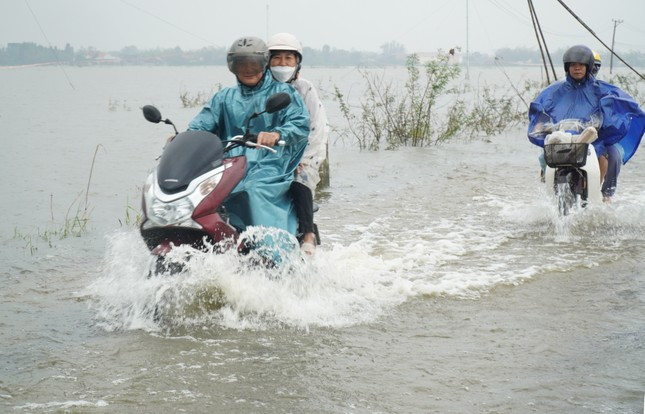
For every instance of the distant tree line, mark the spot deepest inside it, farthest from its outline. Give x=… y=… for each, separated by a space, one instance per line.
x=26 y=53
x=31 y=53
x=392 y=53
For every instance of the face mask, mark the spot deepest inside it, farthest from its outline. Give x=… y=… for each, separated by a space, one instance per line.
x=283 y=73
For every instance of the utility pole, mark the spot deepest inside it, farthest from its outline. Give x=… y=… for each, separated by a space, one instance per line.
x=613 y=38
x=467 y=51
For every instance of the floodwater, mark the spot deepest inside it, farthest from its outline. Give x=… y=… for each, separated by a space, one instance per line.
x=446 y=282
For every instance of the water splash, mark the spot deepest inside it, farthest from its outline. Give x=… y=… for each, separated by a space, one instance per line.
x=340 y=286
x=390 y=260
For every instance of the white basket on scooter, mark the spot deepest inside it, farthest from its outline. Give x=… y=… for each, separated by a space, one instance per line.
x=566 y=154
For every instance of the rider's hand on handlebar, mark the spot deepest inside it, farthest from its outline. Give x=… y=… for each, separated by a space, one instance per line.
x=268 y=138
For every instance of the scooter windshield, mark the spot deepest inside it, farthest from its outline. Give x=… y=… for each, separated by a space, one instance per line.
x=189 y=155
x=545 y=124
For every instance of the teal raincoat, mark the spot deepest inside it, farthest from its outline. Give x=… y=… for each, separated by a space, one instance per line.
x=261 y=198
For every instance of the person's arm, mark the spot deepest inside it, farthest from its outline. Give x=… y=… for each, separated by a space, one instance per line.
x=294 y=121
x=207 y=119
x=268 y=139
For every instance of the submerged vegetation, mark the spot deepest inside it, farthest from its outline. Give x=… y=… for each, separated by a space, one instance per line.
x=71 y=226
x=75 y=225
x=133 y=216
x=199 y=99
x=431 y=108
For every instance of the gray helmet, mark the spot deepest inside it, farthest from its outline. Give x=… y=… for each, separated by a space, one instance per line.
x=578 y=54
x=247 y=48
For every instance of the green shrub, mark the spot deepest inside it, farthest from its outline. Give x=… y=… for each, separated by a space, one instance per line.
x=632 y=84
x=430 y=109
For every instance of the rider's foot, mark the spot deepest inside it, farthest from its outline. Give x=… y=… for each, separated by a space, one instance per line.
x=308 y=246
x=606 y=199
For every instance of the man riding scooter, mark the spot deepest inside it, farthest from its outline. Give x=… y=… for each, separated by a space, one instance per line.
x=581 y=96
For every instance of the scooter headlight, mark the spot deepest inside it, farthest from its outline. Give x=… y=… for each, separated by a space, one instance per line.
x=176 y=209
x=170 y=213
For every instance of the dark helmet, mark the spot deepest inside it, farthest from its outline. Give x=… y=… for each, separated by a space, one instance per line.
x=247 y=48
x=578 y=54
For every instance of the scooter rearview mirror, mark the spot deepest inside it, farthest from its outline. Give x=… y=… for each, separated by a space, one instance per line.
x=152 y=114
x=277 y=102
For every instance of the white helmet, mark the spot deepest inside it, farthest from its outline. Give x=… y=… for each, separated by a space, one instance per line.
x=285 y=41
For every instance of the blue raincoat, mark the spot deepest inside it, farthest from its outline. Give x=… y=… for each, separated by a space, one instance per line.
x=623 y=122
x=262 y=197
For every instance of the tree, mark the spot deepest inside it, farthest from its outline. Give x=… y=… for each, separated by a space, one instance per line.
x=393 y=53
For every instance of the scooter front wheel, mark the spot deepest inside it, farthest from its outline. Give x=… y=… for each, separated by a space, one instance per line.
x=567 y=200
x=162 y=265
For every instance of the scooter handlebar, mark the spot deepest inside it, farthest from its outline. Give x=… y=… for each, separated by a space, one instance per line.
x=253 y=138
x=256 y=145
x=249 y=140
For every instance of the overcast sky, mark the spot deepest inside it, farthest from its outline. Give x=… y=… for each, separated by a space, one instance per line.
x=419 y=25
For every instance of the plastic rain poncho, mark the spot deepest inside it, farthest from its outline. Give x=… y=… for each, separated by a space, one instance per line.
x=316 y=152
x=262 y=195
x=623 y=121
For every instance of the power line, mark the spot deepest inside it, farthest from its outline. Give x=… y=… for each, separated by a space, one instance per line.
x=596 y=36
x=168 y=23
x=483 y=23
x=50 y=45
x=541 y=41
x=634 y=45
x=509 y=10
x=634 y=28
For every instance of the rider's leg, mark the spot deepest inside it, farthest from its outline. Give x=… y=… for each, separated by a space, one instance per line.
x=542 y=162
x=602 y=164
x=614 y=161
x=304 y=204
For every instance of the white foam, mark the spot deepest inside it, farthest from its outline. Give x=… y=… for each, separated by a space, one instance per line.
x=390 y=260
x=64 y=405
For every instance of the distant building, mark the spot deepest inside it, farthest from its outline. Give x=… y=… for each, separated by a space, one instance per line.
x=105 y=58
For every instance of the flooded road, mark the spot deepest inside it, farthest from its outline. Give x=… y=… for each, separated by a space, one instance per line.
x=446 y=281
